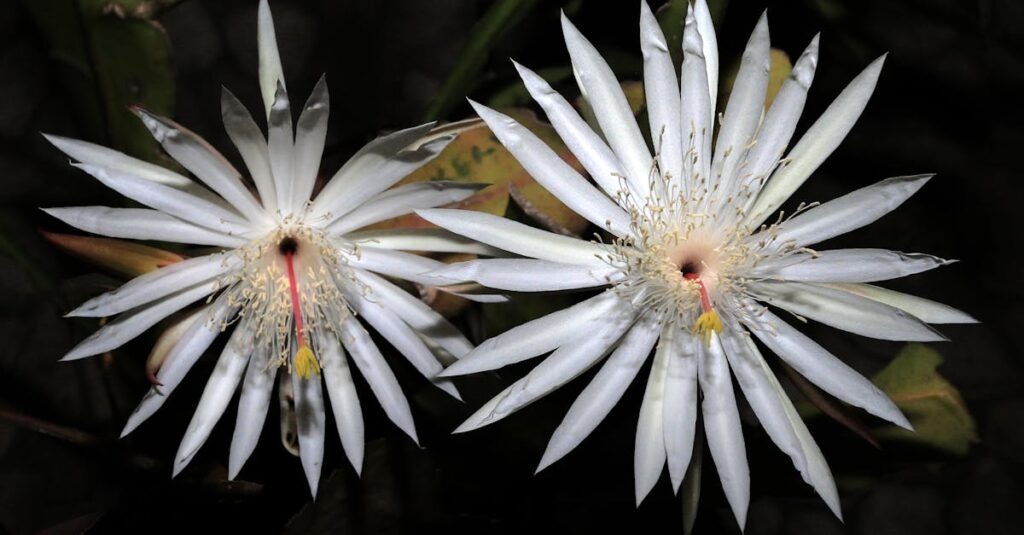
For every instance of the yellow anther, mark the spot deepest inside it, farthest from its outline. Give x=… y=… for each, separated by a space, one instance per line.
x=306 y=363
x=706 y=324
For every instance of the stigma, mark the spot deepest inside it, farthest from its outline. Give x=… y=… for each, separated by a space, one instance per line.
x=709 y=321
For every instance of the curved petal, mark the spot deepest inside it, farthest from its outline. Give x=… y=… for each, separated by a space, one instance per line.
x=251 y=145
x=403 y=200
x=341 y=390
x=696 y=107
x=141 y=224
x=310 y=134
x=661 y=88
x=253 y=404
x=527 y=274
x=310 y=420
x=680 y=404
x=99 y=156
x=649 y=452
x=709 y=47
x=848 y=265
x=270 y=70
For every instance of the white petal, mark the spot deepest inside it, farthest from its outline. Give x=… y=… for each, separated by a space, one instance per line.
x=821 y=367
x=709 y=45
x=181 y=359
x=252 y=409
x=158 y=284
x=99 y=156
x=527 y=274
x=849 y=212
x=680 y=410
x=203 y=161
x=129 y=325
x=433 y=240
x=538 y=336
x=251 y=145
x=661 y=88
x=281 y=144
x=603 y=392
x=849 y=265
x=396 y=264
x=380 y=377
x=558 y=177
x=344 y=399
x=722 y=426
x=777 y=415
x=602 y=90
x=220 y=388
x=404 y=200
x=576 y=356
x=742 y=113
x=270 y=69
x=696 y=106
x=516 y=237
x=310 y=133
x=846 y=311
x=376 y=167
x=175 y=202
x=924 y=309
x=588 y=147
x=140 y=224
x=818 y=142
x=649 y=452
x=310 y=420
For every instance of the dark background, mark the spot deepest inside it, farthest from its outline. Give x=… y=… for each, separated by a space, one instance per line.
x=947 y=102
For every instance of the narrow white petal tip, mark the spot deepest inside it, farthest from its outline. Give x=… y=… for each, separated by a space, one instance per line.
x=468 y=425
x=901 y=420
x=448 y=387
x=545 y=461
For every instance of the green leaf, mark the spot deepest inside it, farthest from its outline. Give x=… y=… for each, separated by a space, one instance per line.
x=933 y=405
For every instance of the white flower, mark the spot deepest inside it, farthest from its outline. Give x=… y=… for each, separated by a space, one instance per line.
x=291 y=272
x=691 y=265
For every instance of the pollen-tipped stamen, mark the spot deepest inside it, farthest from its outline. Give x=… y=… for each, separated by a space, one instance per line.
x=305 y=361
x=709 y=321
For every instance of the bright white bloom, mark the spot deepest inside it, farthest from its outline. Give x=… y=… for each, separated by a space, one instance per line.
x=290 y=274
x=690 y=266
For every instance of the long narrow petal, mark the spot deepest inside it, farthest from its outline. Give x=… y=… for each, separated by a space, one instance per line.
x=661 y=88
x=175 y=202
x=310 y=134
x=310 y=420
x=709 y=47
x=846 y=311
x=433 y=240
x=602 y=90
x=576 y=356
x=341 y=390
x=680 y=404
x=818 y=142
x=649 y=452
x=925 y=310
x=99 y=156
x=127 y=326
x=849 y=212
x=281 y=147
x=380 y=377
x=516 y=237
x=821 y=367
x=403 y=200
x=588 y=147
x=696 y=108
x=253 y=404
x=203 y=161
x=158 y=284
x=603 y=392
x=849 y=265
x=141 y=224
x=220 y=388
x=777 y=415
x=251 y=145
x=722 y=426
x=554 y=174
x=527 y=274
x=396 y=264
x=181 y=359
x=270 y=69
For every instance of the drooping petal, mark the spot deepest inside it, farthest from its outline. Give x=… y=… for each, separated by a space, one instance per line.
x=310 y=420
x=341 y=390
x=253 y=404
x=576 y=356
x=925 y=310
x=696 y=108
x=603 y=392
x=849 y=212
x=602 y=90
x=722 y=426
x=131 y=324
x=98 y=156
x=527 y=274
x=310 y=134
x=680 y=408
x=158 y=284
x=661 y=88
x=821 y=367
x=848 y=265
x=141 y=224
x=777 y=415
x=380 y=377
x=403 y=200
x=649 y=451
x=516 y=237
x=849 y=312
x=818 y=142
x=433 y=240
x=251 y=145
x=270 y=69
x=554 y=174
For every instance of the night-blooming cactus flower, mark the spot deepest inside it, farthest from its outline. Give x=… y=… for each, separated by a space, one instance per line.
x=692 y=270
x=292 y=273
